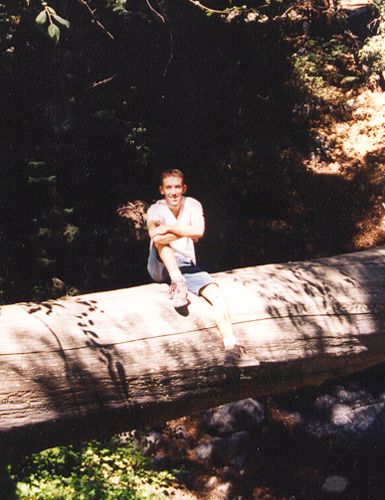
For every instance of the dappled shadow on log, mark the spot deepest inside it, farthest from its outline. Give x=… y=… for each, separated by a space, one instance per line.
x=74 y=375
x=320 y=298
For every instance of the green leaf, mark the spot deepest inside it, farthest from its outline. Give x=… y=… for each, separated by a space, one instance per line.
x=42 y=17
x=62 y=21
x=51 y=11
x=36 y=164
x=54 y=32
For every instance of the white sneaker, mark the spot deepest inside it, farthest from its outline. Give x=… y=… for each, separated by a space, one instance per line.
x=178 y=293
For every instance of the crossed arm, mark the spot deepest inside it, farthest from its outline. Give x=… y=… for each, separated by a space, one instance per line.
x=165 y=234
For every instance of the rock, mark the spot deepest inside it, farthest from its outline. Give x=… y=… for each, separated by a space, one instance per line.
x=335 y=485
x=151 y=442
x=230 y=473
x=212 y=482
x=349 y=412
x=124 y=438
x=245 y=415
x=226 y=450
x=239 y=461
x=180 y=432
x=204 y=451
x=222 y=492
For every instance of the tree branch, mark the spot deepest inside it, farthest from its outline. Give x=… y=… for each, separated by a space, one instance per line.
x=103 y=82
x=208 y=9
x=96 y=20
x=155 y=11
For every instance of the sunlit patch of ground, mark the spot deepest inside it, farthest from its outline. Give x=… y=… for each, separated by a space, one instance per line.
x=354 y=146
x=350 y=143
x=365 y=133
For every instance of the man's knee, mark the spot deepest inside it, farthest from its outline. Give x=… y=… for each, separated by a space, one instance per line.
x=212 y=293
x=159 y=246
x=164 y=253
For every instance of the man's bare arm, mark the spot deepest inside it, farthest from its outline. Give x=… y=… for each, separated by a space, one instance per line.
x=165 y=234
x=151 y=227
x=194 y=231
x=165 y=239
x=190 y=231
x=159 y=232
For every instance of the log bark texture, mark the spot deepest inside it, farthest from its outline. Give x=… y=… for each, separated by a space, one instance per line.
x=91 y=365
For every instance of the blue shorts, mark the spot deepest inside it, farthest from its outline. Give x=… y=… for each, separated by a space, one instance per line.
x=196 y=279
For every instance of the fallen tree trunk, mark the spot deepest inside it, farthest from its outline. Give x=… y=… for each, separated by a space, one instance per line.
x=91 y=365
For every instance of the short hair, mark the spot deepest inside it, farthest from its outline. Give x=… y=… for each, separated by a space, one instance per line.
x=173 y=172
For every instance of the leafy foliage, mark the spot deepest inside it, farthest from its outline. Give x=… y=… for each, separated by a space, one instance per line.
x=321 y=65
x=372 y=53
x=94 y=470
x=49 y=16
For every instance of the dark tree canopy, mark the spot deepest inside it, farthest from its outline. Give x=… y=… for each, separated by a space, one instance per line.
x=97 y=97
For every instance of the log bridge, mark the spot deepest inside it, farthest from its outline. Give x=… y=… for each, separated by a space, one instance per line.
x=91 y=365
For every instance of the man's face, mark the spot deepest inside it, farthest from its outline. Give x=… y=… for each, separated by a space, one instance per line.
x=173 y=190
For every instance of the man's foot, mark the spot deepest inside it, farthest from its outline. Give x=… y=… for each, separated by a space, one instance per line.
x=178 y=294
x=237 y=356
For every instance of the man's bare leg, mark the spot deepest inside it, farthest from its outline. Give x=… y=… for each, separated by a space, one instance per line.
x=214 y=296
x=167 y=256
x=235 y=353
x=178 y=291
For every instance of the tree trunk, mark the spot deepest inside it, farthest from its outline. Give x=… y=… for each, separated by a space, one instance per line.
x=91 y=365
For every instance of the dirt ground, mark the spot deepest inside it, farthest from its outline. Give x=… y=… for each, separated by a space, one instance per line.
x=357 y=149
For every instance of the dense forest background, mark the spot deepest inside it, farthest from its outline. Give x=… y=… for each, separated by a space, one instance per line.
x=89 y=120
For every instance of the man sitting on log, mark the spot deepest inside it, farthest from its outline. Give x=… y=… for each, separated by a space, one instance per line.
x=174 y=224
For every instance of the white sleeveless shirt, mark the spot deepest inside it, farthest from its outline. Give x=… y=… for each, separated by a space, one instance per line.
x=191 y=213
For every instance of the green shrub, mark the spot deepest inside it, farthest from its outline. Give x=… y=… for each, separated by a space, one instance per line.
x=319 y=67
x=372 y=53
x=94 y=470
